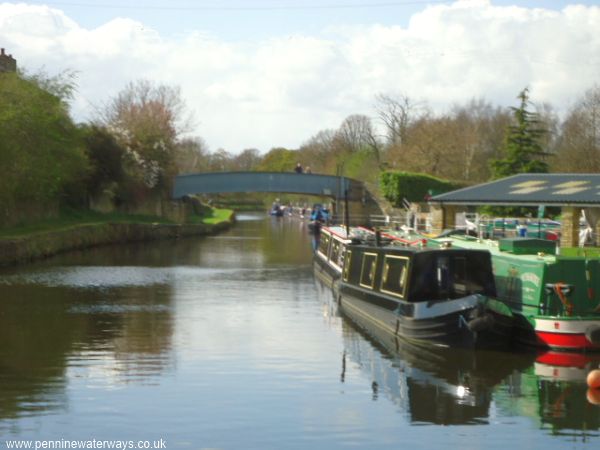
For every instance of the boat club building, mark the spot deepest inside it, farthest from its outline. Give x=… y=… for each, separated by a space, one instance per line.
x=572 y=192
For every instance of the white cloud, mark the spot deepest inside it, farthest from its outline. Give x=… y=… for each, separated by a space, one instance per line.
x=283 y=90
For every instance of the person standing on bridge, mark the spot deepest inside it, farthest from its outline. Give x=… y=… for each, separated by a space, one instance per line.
x=298 y=168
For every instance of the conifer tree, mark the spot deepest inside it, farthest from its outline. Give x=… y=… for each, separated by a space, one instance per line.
x=523 y=148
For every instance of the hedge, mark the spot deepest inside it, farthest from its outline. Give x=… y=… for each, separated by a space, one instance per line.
x=414 y=187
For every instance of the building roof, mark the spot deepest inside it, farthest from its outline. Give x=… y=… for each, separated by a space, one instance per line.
x=530 y=189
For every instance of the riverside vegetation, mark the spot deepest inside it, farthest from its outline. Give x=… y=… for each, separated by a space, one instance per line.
x=124 y=160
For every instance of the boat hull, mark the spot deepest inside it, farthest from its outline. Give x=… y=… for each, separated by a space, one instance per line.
x=527 y=281
x=449 y=323
x=326 y=272
x=568 y=333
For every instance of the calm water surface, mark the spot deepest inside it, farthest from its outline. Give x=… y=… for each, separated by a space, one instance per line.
x=228 y=342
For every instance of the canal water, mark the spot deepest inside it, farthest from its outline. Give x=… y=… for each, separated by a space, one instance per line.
x=228 y=342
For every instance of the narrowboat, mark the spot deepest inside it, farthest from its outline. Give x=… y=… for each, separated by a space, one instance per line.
x=440 y=296
x=331 y=247
x=555 y=298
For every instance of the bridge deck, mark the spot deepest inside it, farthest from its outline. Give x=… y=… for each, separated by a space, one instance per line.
x=279 y=182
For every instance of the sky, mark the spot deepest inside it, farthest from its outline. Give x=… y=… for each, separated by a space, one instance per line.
x=273 y=73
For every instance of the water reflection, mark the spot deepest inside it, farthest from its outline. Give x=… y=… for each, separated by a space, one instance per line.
x=553 y=392
x=227 y=342
x=453 y=386
x=109 y=326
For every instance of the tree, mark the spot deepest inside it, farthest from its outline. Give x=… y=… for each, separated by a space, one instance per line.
x=148 y=120
x=579 y=141
x=319 y=152
x=356 y=134
x=523 y=149
x=247 y=160
x=477 y=131
x=220 y=161
x=106 y=159
x=279 y=159
x=397 y=115
x=191 y=155
x=42 y=161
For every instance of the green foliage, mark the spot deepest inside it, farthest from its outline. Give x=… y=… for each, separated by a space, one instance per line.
x=278 y=160
x=523 y=148
x=415 y=187
x=361 y=165
x=105 y=156
x=42 y=160
x=70 y=218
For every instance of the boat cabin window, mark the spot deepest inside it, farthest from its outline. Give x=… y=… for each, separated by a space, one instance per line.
x=438 y=276
x=348 y=259
x=395 y=271
x=324 y=244
x=336 y=256
x=367 y=272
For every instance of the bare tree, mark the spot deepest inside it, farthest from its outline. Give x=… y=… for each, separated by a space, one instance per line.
x=478 y=132
x=579 y=143
x=191 y=155
x=247 y=160
x=357 y=133
x=318 y=152
x=397 y=114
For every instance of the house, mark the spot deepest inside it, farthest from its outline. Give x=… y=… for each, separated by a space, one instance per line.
x=7 y=62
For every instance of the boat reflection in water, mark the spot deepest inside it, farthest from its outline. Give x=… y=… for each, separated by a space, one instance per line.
x=554 y=392
x=434 y=385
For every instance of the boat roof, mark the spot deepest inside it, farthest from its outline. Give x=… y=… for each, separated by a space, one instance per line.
x=493 y=246
x=530 y=189
x=413 y=250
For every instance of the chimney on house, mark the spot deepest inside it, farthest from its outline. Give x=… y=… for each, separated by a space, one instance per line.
x=7 y=62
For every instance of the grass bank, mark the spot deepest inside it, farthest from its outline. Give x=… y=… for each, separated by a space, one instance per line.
x=82 y=229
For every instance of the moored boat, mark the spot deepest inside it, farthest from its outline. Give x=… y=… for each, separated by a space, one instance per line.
x=555 y=299
x=436 y=296
x=330 y=251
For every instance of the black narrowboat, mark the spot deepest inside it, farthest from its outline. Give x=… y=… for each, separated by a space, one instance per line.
x=331 y=248
x=443 y=296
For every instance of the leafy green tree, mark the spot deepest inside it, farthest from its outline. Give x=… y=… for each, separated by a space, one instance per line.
x=523 y=148
x=42 y=161
x=106 y=159
x=279 y=160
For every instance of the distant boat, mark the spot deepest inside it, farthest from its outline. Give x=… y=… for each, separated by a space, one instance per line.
x=277 y=211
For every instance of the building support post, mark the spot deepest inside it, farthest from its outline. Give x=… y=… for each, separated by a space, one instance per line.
x=443 y=217
x=569 y=236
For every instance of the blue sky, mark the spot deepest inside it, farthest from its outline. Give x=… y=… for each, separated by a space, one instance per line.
x=266 y=73
x=259 y=19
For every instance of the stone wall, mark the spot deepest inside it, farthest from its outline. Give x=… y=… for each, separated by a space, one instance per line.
x=25 y=249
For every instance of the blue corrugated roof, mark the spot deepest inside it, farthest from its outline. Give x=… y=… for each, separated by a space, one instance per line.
x=531 y=189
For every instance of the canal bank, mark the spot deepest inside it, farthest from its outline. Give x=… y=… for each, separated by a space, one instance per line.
x=26 y=248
